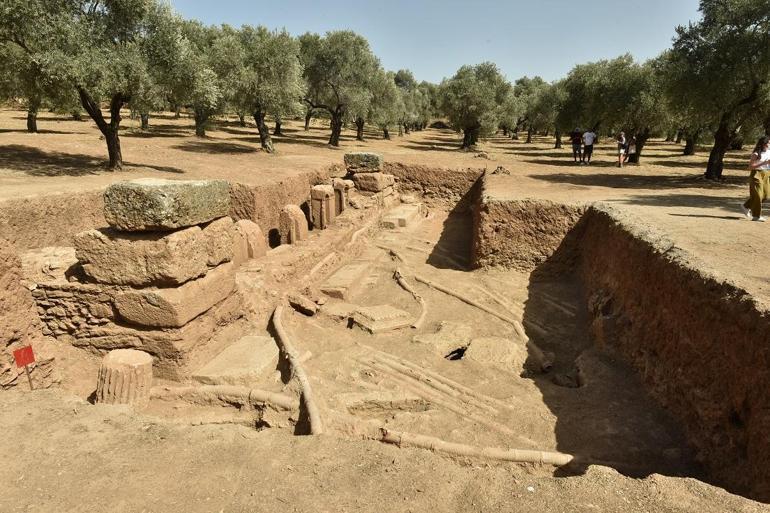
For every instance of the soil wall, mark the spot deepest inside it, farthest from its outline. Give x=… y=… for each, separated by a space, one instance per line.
x=438 y=186
x=699 y=343
x=518 y=234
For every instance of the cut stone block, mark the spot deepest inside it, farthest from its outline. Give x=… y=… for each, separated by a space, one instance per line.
x=339 y=311
x=373 y=182
x=175 y=307
x=152 y=204
x=402 y=216
x=344 y=283
x=249 y=241
x=379 y=319
x=449 y=336
x=363 y=162
x=125 y=377
x=340 y=196
x=243 y=363
x=303 y=304
x=322 y=206
x=161 y=258
x=292 y=225
x=496 y=350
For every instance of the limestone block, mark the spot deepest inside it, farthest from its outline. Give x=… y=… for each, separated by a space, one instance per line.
x=362 y=162
x=292 y=225
x=382 y=318
x=322 y=206
x=125 y=377
x=303 y=304
x=449 y=336
x=498 y=351
x=402 y=216
x=338 y=310
x=154 y=258
x=344 y=283
x=152 y=204
x=373 y=182
x=243 y=363
x=340 y=196
x=175 y=307
x=253 y=240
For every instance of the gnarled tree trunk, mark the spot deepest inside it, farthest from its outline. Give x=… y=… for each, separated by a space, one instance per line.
x=470 y=136
x=722 y=139
x=336 y=124
x=529 y=135
x=108 y=130
x=385 y=133
x=558 y=144
x=641 y=139
x=32 y=117
x=264 y=133
x=277 y=129
x=308 y=117
x=145 y=120
x=241 y=119
x=679 y=135
x=201 y=120
x=691 y=141
x=359 y=128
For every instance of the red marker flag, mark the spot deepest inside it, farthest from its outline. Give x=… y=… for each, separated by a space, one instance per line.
x=24 y=356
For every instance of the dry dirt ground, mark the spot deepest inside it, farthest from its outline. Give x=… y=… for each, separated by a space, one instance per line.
x=63 y=454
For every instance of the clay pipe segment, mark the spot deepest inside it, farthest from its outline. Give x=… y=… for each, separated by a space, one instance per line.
x=225 y=394
x=424 y=307
x=403 y=439
x=306 y=396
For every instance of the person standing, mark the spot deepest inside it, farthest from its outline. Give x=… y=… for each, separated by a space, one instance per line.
x=759 y=185
x=621 y=140
x=577 y=140
x=588 y=146
x=630 y=149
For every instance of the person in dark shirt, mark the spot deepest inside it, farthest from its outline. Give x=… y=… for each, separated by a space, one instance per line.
x=576 y=137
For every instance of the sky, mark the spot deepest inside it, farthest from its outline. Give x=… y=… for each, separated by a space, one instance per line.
x=433 y=38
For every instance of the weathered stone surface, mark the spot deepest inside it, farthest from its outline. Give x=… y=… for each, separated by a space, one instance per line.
x=292 y=225
x=362 y=162
x=243 y=363
x=303 y=304
x=373 y=182
x=449 y=336
x=402 y=216
x=157 y=258
x=338 y=310
x=125 y=377
x=175 y=307
x=498 y=351
x=382 y=318
x=344 y=283
x=151 y=204
x=322 y=206
x=248 y=241
x=340 y=195
x=48 y=263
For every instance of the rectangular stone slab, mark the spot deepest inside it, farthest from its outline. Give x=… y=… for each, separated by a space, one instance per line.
x=243 y=363
x=401 y=217
x=175 y=307
x=345 y=282
x=379 y=319
x=373 y=182
x=362 y=162
x=152 y=204
x=154 y=258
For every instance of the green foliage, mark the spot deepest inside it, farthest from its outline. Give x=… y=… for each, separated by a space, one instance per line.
x=386 y=106
x=471 y=98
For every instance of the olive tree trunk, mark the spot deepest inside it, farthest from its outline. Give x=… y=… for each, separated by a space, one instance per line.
x=558 y=144
x=529 y=136
x=336 y=124
x=385 y=133
x=470 y=136
x=308 y=117
x=264 y=133
x=32 y=119
x=641 y=139
x=241 y=119
x=201 y=120
x=145 y=120
x=722 y=140
x=359 y=128
x=277 y=129
x=691 y=142
x=108 y=130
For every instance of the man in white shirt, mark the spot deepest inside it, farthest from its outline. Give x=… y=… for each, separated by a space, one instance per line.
x=588 y=146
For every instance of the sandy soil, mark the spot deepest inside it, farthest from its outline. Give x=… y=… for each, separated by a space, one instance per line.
x=122 y=461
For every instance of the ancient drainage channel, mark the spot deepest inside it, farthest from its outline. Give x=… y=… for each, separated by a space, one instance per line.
x=509 y=330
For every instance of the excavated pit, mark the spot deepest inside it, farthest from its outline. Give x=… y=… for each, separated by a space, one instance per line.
x=631 y=356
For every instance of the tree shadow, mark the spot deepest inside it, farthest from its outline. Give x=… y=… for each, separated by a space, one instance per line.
x=41 y=131
x=36 y=162
x=621 y=180
x=214 y=147
x=726 y=203
x=697 y=165
x=567 y=161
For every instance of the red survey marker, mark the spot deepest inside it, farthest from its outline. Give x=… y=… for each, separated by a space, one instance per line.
x=24 y=356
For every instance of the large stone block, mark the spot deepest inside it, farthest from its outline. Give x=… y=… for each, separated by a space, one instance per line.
x=322 y=206
x=175 y=307
x=362 y=162
x=154 y=258
x=344 y=283
x=248 y=242
x=292 y=225
x=151 y=204
x=373 y=182
x=244 y=363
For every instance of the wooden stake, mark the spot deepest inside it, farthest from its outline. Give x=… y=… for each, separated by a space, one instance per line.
x=29 y=378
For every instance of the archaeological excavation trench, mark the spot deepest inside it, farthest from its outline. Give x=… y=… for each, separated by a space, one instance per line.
x=408 y=305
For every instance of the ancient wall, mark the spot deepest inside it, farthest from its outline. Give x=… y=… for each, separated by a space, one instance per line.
x=517 y=233
x=699 y=343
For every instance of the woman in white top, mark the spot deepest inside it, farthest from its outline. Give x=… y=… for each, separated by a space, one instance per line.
x=759 y=186
x=621 y=140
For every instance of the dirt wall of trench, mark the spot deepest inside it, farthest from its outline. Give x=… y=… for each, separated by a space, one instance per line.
x=700 y=344
x=438 y=186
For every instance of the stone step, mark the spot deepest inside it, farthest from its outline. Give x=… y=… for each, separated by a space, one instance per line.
x=346 y=281
x=402 y=216
x=244 y=363
x=380 y=319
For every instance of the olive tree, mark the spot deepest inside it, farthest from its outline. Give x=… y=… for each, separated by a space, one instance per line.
x=470 y=100
x=386 y=104
x=339 y=77
x=720 y=66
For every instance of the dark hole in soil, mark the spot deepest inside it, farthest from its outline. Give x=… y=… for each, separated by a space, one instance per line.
x=274 y=238
x=305 y=207
x=457 y=354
